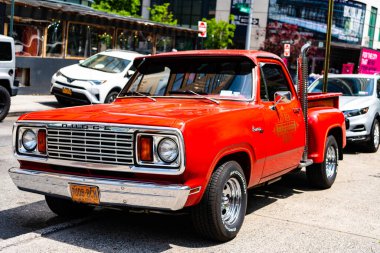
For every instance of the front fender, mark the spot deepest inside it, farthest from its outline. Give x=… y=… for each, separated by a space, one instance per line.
x=322 y=121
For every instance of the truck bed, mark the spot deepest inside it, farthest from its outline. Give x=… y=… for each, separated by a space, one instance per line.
x=323 y=99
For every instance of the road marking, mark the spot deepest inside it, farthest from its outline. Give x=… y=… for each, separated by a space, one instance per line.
x=14 y=241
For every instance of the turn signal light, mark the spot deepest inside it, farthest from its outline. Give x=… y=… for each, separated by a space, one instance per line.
x=41 y=137
x=146 y=148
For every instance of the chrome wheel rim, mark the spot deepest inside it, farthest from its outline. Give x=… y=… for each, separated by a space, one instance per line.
x=231 y=201
x=331 y=161
x=376 y=135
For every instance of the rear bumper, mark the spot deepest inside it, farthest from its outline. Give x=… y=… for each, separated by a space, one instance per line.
x=14 y=89
x=112 y=192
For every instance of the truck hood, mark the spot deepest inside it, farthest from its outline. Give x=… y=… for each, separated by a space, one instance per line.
x=352 y=102
x=77 y=72
x=139 y=111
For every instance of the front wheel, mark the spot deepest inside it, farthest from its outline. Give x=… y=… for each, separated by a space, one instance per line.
x=322 y=175
x=111 y=97
x=67 y=208
x=220 y=214
x=374 y=140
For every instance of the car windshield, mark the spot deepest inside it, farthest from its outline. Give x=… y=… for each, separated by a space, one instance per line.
x=105 y=63
x=348 y=86
x=220 y=78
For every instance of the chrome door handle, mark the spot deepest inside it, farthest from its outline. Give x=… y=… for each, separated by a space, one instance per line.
x=257 y=129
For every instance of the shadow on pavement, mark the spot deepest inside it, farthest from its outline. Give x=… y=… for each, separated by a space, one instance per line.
x=25 y=219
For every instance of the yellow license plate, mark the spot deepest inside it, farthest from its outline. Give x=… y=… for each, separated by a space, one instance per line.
x=67 y=91
x=85 y=194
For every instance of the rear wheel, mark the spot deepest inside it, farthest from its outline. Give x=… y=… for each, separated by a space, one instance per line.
x=5 y=102
x=374 y=140
x=220 y=214
x=322 y=175
x=111 y=97
x=67 y=208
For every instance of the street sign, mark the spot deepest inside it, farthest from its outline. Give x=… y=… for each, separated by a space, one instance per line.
x=244 y=9
x=244 y=20
x=286 y=50
x=202 y=29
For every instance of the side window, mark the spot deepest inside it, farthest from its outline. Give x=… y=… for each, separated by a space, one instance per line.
x=5 y=51
x=378 y=88
x=273 y=78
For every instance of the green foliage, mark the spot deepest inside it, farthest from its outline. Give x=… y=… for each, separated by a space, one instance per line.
x=161 y=14
x=219 y=33
x=120 y=7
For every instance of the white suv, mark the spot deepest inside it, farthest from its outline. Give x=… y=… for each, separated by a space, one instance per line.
x=8 y=84
x=98 y=79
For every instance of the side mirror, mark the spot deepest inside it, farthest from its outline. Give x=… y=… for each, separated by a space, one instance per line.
x=129 y=73
x=81 y=61
x=281 y=96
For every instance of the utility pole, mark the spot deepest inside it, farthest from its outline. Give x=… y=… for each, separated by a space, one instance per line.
x=249 y=27
x=12 y=17
x=328 y=43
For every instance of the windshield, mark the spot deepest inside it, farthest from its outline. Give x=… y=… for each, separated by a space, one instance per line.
x=105 y=63
x=348 y=86
x=223 y=78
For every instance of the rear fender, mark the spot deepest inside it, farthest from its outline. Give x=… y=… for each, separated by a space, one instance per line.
x=325 y=121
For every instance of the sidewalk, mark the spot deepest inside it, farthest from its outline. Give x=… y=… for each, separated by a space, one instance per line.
x=21 y=104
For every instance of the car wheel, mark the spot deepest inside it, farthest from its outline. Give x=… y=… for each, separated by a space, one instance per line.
x=374 y=139
x=111 y=97
x=5 y=102
x=322 y=175
x=63 y=101
x=67 y=208
x=220 y=214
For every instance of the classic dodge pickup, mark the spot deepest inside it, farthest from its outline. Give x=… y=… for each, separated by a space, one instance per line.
x=190 y=130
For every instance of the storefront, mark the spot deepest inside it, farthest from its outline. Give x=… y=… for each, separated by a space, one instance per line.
x=49 y=35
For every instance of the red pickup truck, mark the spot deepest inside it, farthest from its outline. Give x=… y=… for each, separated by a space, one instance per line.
x=190 y=130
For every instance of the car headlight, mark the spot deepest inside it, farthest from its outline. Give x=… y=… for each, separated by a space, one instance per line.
x=167 y=150
x=97 y=82
x=29 y=140
x=356 y=112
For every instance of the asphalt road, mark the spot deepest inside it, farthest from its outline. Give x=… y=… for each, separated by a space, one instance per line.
x=287 y=216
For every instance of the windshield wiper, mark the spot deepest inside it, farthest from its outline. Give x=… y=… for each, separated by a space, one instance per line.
x=194 y=93
x=132 y=93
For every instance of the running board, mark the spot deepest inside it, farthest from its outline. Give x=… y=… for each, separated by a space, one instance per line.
x=305 y=163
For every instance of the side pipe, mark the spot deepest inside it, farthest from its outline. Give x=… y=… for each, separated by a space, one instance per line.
x=302 y=80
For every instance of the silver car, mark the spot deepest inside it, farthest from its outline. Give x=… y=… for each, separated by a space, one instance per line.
x=360 y=103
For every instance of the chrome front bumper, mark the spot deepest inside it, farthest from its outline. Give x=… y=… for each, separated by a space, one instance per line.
x=112 y=192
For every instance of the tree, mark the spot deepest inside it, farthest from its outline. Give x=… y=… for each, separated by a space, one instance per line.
x=161 y=14
x=120 y=7
x=219 y=33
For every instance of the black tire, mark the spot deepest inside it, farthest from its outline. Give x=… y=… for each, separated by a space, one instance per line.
x=111 y=97
x=67 y=208
x=5 y=102
x=63 y=101
x=322 y=175
x=373 y=144
x=214 y=219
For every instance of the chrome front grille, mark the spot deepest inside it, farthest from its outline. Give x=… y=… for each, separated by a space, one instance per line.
x=91 y=145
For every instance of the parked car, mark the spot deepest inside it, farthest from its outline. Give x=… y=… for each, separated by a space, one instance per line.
x=190 y=130
x=8 y=84
x=360 y=104
x=98 y=79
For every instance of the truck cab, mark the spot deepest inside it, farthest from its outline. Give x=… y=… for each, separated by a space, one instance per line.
x=8 y=85
x=190 y=131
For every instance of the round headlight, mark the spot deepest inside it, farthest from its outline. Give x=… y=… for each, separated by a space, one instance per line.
x=29 y=140
x=167 y=150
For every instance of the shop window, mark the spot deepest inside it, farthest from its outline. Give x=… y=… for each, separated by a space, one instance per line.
x=134 y=41
x=184 y=43
x=164 y=44
x=86 y=40
x=54 y=39
x=28 y=39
